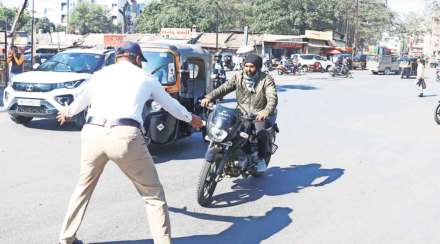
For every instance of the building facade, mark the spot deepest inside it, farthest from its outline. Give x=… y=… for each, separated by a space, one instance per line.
x=57 y=11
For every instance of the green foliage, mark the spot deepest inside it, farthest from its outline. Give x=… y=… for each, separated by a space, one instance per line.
x=186 y=13
x=374 y=18
x=269 y=16
x=90 y=18
x=44 y=24
x=295 y=16
x=7 y=16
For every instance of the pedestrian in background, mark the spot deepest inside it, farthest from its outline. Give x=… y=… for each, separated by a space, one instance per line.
x=16 y=61
x=116 y=96
x=421 y=84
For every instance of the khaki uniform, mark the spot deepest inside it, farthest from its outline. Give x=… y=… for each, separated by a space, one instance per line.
x=125 y=146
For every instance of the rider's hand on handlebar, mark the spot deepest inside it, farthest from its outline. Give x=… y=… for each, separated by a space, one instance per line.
x=205 y=102
x=196 y=122
x=262 y=116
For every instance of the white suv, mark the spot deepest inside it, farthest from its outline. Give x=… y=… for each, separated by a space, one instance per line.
x=55 y=83
x=305 y=60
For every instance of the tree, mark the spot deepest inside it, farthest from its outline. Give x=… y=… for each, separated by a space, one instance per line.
x=7 y=16
x=90 y=18
x=375 y=18
x=44 y=25
x=271 y=16
x=186 y=13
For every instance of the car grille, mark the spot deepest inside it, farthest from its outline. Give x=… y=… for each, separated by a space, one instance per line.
x=33 y=110
x=33 y=87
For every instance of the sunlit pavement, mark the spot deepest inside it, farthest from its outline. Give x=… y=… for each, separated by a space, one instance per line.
x=358 y=162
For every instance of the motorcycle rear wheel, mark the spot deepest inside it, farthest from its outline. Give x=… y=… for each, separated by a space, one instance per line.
x=437 y=114
x=207 y=182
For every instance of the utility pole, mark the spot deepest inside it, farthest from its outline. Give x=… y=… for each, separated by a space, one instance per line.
x=216 y=25
x=32 y=35
x=347 y=21
x=356 y=29
x=17 y=17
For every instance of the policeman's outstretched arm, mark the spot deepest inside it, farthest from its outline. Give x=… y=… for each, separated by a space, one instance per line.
x=173 y=106
x=78 y=105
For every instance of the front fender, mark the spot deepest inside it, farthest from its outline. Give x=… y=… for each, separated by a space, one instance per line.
x=213 y=150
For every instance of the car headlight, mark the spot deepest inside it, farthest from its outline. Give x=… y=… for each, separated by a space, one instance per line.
x=155 y=106
x=218 y=135
x=64 y=99
x=70 y=84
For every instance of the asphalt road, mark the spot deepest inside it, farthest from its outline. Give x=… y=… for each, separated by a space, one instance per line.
x=358 y=162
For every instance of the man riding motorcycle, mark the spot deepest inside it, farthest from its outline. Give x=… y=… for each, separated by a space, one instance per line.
x=256 y=96
x=218 y=63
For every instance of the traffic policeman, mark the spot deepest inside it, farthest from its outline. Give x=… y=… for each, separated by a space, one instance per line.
x=116 y=96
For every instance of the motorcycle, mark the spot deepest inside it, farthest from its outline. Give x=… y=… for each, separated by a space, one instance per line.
x=340 y=70
x=437 y=114
x=267 y=66
x=218 y=78
x=233 y=150
x=287 y=69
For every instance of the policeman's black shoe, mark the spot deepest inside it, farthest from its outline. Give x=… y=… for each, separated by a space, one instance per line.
x=421 y=95
x=76 y=241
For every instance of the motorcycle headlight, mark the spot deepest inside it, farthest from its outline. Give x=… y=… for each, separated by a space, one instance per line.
x=70 y=84
x=218 y=135
x=155 y=106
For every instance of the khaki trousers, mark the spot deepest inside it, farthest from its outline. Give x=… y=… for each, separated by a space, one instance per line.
x=125 y=146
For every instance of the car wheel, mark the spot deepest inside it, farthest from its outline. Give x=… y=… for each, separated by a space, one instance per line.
x=305 y=68
x=21 y=119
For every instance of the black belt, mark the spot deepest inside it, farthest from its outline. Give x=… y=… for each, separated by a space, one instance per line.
x=114 y=122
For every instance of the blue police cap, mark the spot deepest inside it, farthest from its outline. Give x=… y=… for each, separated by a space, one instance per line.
x=131 y=48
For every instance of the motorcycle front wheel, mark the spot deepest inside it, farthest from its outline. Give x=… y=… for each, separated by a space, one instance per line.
x=437 y=114
x=207 y=182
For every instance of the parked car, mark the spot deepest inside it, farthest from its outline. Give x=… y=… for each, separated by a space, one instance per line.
x=386 y=64
x=360 y=62
x=307 y=60
x=41 y=55
x=56 y=82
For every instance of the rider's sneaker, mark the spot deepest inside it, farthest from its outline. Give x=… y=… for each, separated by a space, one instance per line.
x=261 y=165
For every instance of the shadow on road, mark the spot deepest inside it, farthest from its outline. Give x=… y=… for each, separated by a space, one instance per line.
x=276 y=181
x=250 y=229
x=189 y=148
x=51 y=124
x=283 y=88
x=432 y=95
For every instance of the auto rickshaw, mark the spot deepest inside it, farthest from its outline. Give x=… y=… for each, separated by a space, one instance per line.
x=184 y=71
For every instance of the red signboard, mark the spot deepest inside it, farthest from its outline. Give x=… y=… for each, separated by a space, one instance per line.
x=113 y=40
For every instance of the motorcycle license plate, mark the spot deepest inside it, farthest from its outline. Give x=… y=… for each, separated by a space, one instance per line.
x=29 y=102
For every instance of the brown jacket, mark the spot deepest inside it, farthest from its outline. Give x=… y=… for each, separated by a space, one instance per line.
x=264 y=99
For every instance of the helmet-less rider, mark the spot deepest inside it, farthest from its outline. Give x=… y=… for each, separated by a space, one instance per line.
x=256 y=96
